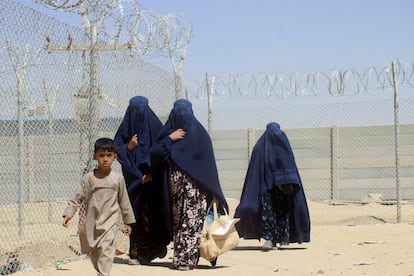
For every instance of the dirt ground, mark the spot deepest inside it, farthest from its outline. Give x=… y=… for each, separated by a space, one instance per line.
x=346 y=239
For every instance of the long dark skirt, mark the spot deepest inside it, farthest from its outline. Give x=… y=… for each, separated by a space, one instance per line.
x=143 y=246
x=189 y=209
x=276 y=208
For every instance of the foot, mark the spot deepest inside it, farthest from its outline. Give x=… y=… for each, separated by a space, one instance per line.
x=143 y=261
x=182 y=267
x=162 y=253
x=213 y=262
x=119 y=252
x=133 y=262
x=185 y=267
x=268 y=245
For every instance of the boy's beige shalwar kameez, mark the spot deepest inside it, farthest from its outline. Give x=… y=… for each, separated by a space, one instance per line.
x=106 y=201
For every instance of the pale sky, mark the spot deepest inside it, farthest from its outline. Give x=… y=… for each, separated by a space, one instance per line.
x=282 y=36
x=271 y=36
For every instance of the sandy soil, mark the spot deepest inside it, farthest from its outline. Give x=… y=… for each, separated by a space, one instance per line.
x=346 y=239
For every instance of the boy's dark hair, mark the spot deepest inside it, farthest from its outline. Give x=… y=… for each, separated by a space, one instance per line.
x=107 y=144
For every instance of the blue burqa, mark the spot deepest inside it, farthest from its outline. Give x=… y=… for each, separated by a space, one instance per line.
x=272 y=166
x=146 y=199
x=193 y=154
x=141 y=120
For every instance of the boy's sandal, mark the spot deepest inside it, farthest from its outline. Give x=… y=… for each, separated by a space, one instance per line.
x=133 y=262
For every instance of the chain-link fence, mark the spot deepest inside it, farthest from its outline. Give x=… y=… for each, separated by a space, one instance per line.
x=57 y=98
x=46 y=127
x=352 y=136
x=351 y=146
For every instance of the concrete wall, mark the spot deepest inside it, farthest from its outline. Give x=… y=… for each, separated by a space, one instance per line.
x=344 y=164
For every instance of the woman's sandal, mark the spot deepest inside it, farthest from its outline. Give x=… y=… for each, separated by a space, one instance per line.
x=182 y=267
x=213 y=262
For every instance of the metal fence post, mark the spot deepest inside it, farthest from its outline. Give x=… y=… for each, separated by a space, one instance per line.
x=251 y=132
x=397 y=145
x=334 y=163
x=210 y=104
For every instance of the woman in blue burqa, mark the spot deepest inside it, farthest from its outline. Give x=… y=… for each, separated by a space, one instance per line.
x=183 y=156
x=134 y=138
x=273 y=204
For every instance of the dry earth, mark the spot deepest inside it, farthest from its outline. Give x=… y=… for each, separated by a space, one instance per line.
x=346 y=239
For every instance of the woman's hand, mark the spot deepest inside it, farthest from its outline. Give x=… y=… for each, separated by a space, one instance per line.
x=146 y=178
x=177 y=135
x=132 y=144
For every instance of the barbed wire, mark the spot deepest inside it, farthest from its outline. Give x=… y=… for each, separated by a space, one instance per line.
x=123 y=24
x=336 y=83
x=147 y=32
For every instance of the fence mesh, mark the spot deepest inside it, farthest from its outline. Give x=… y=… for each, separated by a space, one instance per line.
x=46 y=129
x=344 y=146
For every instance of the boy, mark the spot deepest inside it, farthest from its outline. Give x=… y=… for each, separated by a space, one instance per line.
x=104 y=193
